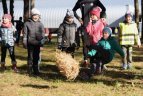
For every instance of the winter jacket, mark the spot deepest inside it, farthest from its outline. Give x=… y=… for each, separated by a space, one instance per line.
x=33 y=32
x=106 y=48
x=67 y=34
x=7 y=36
x=95 y=30
x=86 y=6
x=128 y=34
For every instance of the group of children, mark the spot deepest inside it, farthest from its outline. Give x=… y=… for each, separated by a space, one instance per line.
x=100 y=48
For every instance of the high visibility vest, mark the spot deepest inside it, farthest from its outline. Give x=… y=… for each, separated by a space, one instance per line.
x=128 y=34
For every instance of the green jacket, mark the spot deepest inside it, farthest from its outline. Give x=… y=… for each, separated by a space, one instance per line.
x=110 y=45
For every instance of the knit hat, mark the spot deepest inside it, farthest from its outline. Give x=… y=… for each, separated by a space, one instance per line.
x=69 y=14
x=35 y=11
x=7 y=16
x=107 y=29
x=96 y=11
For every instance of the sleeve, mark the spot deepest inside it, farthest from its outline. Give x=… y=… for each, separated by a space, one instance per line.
x=60 y=32
x=75 y=8
x=103 y=13
x=92 y=53
x=25 y=35
x=0 y=34
x=89 y=28
x=117 y=48
x=77 y=36
x=137 y=38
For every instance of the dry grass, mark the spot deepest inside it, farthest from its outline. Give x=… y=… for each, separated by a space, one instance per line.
x=68 y=66
x=114 y=82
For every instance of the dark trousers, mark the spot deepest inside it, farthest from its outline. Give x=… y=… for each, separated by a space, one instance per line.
x=18 y=36
x=33 y=57
x=11 y=52
x=97 y=62
x=85 y=41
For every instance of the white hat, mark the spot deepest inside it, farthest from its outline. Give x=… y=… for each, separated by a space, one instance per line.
x=35 y=11
x=69 y=13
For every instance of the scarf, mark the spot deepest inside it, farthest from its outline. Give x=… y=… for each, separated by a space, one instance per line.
x=6 y=25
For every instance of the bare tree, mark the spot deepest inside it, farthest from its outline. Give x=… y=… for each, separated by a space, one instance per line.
x=12 y=9
x=28 y=5
x=142 y=16
x=4 y=4
x=136 y=4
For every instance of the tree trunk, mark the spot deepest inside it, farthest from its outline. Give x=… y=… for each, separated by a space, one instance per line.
x=12 y=9
x=28 y=5
x=142 y=16
x=136 y=4
x=4 y=4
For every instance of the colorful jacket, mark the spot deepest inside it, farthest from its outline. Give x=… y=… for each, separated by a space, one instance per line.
x=95 y=30
x=110 y=45
x=128 y=34
x=7 y=36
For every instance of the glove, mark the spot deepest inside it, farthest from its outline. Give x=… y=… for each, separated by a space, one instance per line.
x=74 y=45
x=42 y=42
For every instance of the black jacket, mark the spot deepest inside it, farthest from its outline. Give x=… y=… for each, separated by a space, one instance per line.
x=86 y=6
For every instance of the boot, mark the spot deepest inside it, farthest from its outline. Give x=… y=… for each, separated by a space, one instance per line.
x=36 y=70
x=29 y=70
x=3 y=66
x=14 y=67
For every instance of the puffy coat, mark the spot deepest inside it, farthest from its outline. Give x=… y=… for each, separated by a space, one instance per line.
x=95 y=30
x=67 y=34
x=33 y=32
x=7 y=36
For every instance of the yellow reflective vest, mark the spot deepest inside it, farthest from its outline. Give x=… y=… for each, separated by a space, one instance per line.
x=128 y=34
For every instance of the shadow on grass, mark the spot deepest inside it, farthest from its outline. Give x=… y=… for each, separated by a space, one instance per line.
x=137 y=59
x=47 y=72
x=39 y=86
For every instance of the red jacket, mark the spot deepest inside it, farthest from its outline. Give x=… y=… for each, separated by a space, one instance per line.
x=95 y=30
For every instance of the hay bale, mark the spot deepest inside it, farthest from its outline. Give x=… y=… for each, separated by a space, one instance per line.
x=68 y=66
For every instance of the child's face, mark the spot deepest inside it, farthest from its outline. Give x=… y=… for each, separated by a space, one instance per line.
x=70 y=19
x=93 y=17
x=6 y=20
x=35 y=17
x=129 y=19
x=105 y=35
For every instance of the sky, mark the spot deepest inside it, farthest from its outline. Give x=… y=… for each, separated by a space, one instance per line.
x=71 y=3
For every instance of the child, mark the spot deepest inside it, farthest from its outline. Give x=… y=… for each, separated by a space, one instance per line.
x=95 y=26
x=7 y=31
x=67 y=34
x=128 y=36
x=33 y=39
x=86 y=6
x=103 y=52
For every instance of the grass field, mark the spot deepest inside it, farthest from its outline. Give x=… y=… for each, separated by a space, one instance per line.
x=114 y=81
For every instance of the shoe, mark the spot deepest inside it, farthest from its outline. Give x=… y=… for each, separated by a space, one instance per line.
x=85 y=64
x=14 y=68
x=3 y=68
x=129 y=66
x=124 y=66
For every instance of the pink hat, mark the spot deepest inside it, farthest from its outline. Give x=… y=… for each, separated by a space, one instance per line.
x=7 y=16
x=96 y=11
